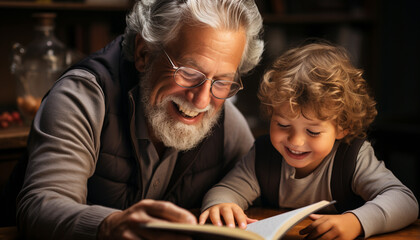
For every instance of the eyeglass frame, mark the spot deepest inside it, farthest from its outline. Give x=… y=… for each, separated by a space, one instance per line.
x=241 y=86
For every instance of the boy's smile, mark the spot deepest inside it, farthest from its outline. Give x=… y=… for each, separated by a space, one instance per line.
x=296 y=154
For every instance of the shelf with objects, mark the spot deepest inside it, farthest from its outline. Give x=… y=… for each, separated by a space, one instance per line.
x=82 y=27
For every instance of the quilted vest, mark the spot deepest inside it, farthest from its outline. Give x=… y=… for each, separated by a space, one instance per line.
x=117 y=181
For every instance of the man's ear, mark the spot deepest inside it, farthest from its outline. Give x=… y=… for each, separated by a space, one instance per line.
x=141 y=55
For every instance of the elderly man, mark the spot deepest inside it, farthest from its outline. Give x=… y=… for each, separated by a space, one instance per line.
x=144 y=118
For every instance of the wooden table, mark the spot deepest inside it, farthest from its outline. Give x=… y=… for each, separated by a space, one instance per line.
x=410 y=232
x=9 y=233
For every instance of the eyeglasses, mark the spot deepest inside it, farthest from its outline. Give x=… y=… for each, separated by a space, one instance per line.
x=190 y=78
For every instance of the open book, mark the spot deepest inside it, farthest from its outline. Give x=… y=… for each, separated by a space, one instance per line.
x=267 y=229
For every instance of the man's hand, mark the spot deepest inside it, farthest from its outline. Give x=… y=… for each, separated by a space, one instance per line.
x=126 y=224
x=229 y=211
x=345 y=226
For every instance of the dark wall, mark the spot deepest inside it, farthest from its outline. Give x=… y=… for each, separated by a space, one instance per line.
x=396 y=132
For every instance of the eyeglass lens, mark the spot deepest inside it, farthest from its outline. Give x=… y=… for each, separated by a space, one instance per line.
x=221 y=88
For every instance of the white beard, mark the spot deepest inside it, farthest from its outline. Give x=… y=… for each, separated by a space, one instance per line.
x=171 y=132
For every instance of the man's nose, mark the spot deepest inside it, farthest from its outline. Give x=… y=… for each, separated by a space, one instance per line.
x=201 y=95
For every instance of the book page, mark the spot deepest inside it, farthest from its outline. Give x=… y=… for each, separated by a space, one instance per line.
x=204 y=232
x=276 y=226
x=269 y=228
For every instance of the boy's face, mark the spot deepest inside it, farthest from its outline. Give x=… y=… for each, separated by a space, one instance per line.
x=304 y=141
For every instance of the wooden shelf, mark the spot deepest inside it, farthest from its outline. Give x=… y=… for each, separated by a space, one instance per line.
x=65 y=6
x=14 y=137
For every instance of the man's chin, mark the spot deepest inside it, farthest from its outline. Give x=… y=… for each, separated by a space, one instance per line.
x=182 y=136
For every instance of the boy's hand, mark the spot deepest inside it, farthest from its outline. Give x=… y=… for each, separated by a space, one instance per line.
x=345 y=226
x=229 y=211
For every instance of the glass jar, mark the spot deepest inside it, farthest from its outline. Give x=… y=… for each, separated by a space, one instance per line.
x=38 y=65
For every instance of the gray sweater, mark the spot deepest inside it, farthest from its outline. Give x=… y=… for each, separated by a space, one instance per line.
x=390 y=205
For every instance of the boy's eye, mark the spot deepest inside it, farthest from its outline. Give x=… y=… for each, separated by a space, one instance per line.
x=313 y=133
x=282 y=125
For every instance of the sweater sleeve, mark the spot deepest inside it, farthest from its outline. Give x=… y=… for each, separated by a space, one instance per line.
x=238 y=136
x=390 y=205
x=63 y=148
x=239 y=186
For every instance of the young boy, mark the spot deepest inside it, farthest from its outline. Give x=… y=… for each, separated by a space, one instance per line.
x=316 y=101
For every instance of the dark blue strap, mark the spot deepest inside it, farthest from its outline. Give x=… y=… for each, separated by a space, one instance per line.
x=342 y=176
x=268 y=169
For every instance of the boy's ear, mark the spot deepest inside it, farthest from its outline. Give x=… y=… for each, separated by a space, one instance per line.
x=141 y=55
x=341 y=133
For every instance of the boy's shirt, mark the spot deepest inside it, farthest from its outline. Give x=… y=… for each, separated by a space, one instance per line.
x=371 y=179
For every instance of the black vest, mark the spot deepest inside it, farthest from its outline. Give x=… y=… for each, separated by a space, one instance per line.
x=268 y=168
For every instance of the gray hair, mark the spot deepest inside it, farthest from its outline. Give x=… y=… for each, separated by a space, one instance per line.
x=159 y=21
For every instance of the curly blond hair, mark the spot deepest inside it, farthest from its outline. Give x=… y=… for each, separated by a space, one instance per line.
x=319 y=77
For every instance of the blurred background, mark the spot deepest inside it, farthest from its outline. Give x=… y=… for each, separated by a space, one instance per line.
x=382 y=37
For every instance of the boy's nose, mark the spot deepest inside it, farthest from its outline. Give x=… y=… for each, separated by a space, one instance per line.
x=201 y=95
x=296 y=139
